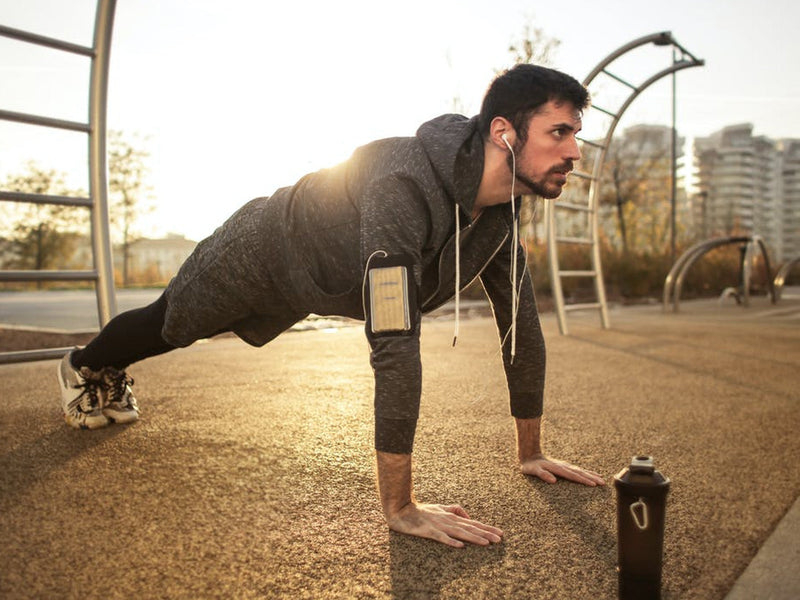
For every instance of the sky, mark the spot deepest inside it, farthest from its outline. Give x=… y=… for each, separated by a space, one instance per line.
x=233 y=99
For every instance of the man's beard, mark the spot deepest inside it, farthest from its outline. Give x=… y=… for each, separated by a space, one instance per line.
x=540 y=188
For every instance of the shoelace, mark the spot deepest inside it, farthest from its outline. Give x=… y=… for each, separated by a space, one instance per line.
x=90 y=388
x=119 y=381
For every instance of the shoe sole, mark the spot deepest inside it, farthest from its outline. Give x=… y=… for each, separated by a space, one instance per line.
x=121 y=418
x=86 y=424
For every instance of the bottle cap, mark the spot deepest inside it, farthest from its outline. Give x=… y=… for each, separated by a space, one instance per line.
x=642 y=465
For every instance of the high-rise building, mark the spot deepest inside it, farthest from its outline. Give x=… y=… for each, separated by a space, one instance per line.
x=790 y=199
x=749 y=185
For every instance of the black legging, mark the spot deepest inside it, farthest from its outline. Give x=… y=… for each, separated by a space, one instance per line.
x=127 y=338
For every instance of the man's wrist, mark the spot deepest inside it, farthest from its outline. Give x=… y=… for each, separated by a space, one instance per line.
x=529 y=446
x=394 y=482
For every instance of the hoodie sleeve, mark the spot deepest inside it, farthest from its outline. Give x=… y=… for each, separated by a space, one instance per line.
x=395 y=223
x=525 y=376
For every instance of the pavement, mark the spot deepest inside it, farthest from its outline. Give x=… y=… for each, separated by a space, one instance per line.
x=64 y=311
x=250 y=473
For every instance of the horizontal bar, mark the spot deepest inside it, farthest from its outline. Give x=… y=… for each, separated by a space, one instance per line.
x=585 y=306
x=44 y=275
x=46 y=199
x=620 y=79
x=603 y=110
x=591 y=143
x=40 y=40
x=30 y=355
x=7 y=115
x=582 y=174
x=577 y=273
x=571 y=206
x=574 y=240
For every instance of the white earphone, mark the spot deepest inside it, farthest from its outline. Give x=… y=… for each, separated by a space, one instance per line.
x=504 y=137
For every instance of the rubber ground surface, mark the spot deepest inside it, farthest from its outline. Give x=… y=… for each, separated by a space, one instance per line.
x=250 y=473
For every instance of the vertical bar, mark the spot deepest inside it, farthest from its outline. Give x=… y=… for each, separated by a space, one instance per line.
x=599 y=287
x=555 y=273
x=674 y=182
x=98 y=168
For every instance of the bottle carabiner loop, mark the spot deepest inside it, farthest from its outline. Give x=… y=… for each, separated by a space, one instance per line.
x=642 y=521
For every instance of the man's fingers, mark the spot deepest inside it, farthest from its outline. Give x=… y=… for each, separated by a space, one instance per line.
x=573 y=473
x=446 y=524
x=455 y=523
x=456 y=510
x=472 y=533
x=546 y=476
x=549 y=470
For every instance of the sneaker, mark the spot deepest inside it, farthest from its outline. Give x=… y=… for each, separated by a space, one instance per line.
x=119 y=404
x=81 y=396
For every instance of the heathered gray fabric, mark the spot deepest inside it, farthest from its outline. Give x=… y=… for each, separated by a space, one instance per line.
x=304 y=250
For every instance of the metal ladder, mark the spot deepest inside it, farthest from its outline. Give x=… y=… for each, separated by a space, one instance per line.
x=589 y=208
x=97 y=203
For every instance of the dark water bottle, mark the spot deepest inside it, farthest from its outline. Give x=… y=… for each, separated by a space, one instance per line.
x=641 y=503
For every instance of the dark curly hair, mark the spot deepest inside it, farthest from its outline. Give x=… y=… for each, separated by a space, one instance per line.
x=519 y=92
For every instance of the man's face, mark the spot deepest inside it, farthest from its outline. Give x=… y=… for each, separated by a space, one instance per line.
x=549 y=152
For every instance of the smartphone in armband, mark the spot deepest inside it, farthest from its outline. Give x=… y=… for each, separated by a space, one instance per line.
x=391 y=296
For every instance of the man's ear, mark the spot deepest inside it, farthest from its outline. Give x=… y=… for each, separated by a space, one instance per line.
x=502 y=134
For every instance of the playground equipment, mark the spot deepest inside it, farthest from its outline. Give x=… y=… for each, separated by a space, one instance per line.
x=97 y=202
x=590 y=208
x=780 y=278
x=673 y=283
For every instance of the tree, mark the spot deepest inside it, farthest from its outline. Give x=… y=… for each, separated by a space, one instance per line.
x=41 y=236
x=127 y=189
x=534 y=46
x=635 y=181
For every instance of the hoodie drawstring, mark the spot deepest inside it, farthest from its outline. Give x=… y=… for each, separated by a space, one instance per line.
x=513 y=267
x=458 y=273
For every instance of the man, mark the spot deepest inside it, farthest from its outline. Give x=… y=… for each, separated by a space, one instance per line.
x=394 y=232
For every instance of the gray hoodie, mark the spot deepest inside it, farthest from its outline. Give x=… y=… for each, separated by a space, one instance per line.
x=311 y=242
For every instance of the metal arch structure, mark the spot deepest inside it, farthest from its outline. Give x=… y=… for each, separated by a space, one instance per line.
x=782 y=274
x=673 y=284
x=103 y=272
x=686 y=61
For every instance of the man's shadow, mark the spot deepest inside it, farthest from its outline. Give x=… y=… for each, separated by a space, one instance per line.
x=421 y=568
x=570 y=500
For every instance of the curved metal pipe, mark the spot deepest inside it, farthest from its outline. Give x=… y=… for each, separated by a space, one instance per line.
x=780 y=277
x=98 y=169
x=767 y=270
x=693 y=254
x=698 y=248
x=662 y=38
x=594 y=188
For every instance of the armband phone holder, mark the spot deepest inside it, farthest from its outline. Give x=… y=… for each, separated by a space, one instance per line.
x=391 y=305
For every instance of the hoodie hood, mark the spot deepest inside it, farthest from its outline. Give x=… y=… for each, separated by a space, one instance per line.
x=455 y=149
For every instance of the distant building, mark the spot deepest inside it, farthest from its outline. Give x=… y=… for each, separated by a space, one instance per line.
x=155 y=259
x=790 y=198
x=750 y=185
x=637 y=175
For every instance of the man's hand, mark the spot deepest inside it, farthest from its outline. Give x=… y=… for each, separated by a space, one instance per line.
x=533 y=461
x=549 y=470
x=449 y=525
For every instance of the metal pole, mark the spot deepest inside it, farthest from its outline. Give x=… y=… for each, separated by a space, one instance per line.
x=672 y=222
x=98 y=169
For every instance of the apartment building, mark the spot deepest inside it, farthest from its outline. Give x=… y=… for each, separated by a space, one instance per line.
x=790 y=196
x=749 y=185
